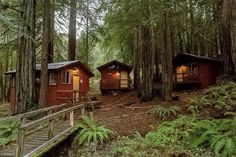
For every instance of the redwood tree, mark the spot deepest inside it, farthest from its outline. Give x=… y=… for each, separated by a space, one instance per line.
x=147 y=59
x=45 y=51
x=166 y=58
x=25 y=79
x=72 y=31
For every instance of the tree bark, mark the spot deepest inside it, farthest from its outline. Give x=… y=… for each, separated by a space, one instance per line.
x=25 y=71
x=51 y=35
x=72 y=31
x=147 y=61
x=45 y=51
x=226 y=41
x=167 y=54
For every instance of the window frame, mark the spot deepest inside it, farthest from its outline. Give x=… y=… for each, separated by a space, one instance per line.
x=50 y=83
x=64 y=77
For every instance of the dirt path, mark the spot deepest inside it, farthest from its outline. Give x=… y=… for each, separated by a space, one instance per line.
x=125 y=115
x=122 y=119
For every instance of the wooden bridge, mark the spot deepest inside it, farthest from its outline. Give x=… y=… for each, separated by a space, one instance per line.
x=36 y=136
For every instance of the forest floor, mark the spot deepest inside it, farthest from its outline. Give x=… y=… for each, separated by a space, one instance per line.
x=125 y=114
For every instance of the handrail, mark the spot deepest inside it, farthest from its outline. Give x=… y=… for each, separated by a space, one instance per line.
x=24 y=127
x=50 y=117
x=31 y=113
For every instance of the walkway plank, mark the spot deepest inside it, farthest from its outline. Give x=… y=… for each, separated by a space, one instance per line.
x=34 y=140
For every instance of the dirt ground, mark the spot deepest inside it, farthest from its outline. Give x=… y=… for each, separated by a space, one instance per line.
x=125 y=114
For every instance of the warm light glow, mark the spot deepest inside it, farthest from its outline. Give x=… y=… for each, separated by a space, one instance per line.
x=76 y=71
x=118 y=74
x=182 y=69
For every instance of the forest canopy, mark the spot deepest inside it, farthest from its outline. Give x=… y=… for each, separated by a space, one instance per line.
x=146 y=34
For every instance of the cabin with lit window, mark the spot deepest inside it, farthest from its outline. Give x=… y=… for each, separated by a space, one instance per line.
x=195 y=70
x=115 y=76
x=64 y=78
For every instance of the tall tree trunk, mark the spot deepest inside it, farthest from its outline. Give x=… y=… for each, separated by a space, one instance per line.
x=87 y=35
x=136 y=60
x=45 y=51
x=226 y=42
x=25 y=72
x=51 y=35
x=72 y=31
x=147 y=57
x=167 y=54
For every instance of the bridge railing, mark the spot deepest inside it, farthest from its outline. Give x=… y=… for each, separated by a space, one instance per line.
x=23 y=116
x=49 y=119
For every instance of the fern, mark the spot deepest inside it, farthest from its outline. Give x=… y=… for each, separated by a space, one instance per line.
x=165 y=113
x=91 y=132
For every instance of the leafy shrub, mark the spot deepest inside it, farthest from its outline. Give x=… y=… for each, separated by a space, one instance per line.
x=8 y=131
x=187 y=136
x=136 y=147
x=91 y=132
x=166 y=112
x=219 y=135
x=221 y=98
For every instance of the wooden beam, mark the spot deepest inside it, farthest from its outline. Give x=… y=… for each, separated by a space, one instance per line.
x=50 y=117
x=29 y=114
x=72 y=118
x=20 y=143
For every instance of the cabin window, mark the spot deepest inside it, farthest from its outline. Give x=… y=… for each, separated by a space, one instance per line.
x=186 y=71
x=52 y=79
x=65 y=77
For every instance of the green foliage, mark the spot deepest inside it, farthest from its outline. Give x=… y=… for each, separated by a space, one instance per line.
x=8 y=132
x=91 y=132
x=190 y=136
x=136 y=147
x=221 y=98
x=166 y=112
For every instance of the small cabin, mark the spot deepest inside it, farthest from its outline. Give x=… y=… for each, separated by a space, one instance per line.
x=115 y=76
x=64 y=78
x=195 y=70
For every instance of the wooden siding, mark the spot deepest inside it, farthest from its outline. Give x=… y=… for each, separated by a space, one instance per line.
x=59 y=93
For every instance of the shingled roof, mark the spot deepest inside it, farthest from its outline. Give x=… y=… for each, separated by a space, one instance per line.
x=186 y=57
x=59 y=65
x=125 y=66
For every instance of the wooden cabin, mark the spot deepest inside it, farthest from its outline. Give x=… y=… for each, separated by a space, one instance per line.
x=115 y=76
x=196 y=70
x=64 y=78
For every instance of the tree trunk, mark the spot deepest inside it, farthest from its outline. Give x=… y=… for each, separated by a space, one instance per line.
x=226 y=42
x=136 y=60
x=72 y=31
x=45 y=51
x=25 y=72
x=51 y=35
x=167 y=54
x=87 y=34
x=147 y=61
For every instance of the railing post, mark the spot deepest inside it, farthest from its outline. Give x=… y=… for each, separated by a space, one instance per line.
x=82 y=111
x=50 y=126
x=72 y=118
x=20 y=139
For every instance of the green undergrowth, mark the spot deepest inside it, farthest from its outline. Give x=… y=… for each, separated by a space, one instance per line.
x=8 y=132
x=4 y=110
x=215 y=101
x=184 y=136
x=90 y=137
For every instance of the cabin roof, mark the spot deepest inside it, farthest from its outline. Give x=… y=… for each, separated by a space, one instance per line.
x=115 y=62
x=183 y=58
x=58 y=66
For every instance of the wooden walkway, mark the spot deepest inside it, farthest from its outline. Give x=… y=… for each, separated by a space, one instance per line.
x=35 y=137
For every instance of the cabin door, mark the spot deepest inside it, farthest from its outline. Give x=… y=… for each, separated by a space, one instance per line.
x=123 y=79
x=76 y=82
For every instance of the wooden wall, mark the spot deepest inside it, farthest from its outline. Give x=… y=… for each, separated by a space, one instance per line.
x=52 y=94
